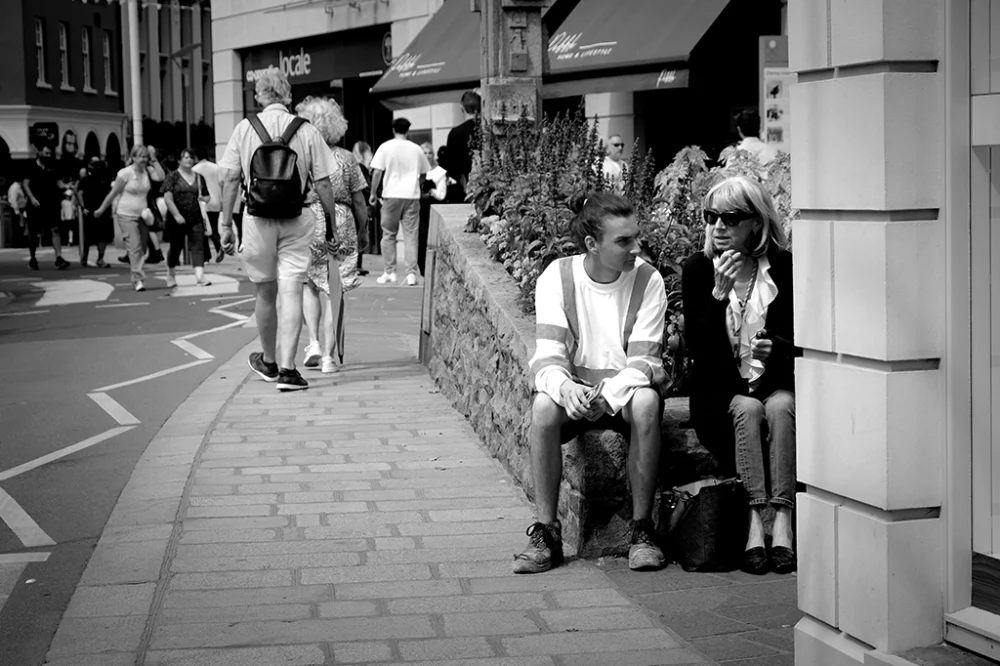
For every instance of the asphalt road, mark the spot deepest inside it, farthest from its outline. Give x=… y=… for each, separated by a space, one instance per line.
x=56 y=350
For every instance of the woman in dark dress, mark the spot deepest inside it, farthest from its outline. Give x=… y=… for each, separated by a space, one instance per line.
x=739 y=329
x=97 y=231
x=183 y=189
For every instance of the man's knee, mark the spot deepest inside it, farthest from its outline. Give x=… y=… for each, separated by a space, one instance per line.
x=546 y=412
x=644 y=407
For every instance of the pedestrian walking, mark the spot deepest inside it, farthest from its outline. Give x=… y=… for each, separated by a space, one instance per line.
x=97 y=230
x=333 y=269
x=403 y=165
x=213 y=207
x=460 y=147
x=363 y=154
x=275 y=155
x=44 y=196
x=434 y=190
x=598 y=363
x=153 y=233
x=18 y=205
x=131 y=189
x=184 y=191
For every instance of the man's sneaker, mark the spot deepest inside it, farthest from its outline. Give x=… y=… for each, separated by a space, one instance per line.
x=101 y=263
x=171 y=281
x=544 y=549
x=33 y=264
x=291 y=380
x=139 y=286
x=123 y=259
x=386 y=278
x=313 y=355
x=411 y=280
x=61 y=263
x=266 y=371
x=644 y=555
x=329 y=365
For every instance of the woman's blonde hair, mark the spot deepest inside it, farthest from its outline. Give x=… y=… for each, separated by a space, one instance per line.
x=136 y=151
x=326 y=116
x=739 y=193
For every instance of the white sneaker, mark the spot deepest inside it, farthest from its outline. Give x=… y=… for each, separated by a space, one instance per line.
x=411 y=280
x=386 y=278
x=313 y=355
x=171 y=281
x=329 y=365
x=139 y=286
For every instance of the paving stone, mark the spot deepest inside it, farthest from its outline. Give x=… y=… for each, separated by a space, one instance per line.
x=765 y=616
x=307 y=521
x=353 y=531
x=134 y=562
x=213 y=478
x=111 y=600
x=430 y=555
x=398 y=589
x=269 y=488
x=234 y=523
x=264 y=562
x=515 y=513
x=227 y=536
x=700 y=624
x=474 y=491
x=233 y=500
x=288 y=655
x=365 y=574
x=231 y=511
x=467 y=504
x=395 y=543
x=474 y=527
x=258 y=463
x=296 y=631
x=666 y=580
x=695 y=599
x=476 y=603
x=230 y=579
x=723 y=648
x=449 y=648
x=660 y=657
x=784 y=591
x=256 y=612
x=315 y=477
x=594 y=619
x=349 y=467
x=361 y=653
x=772 y=639
x=316 y=459
x=499 y=566
x=574 y=581
x=423 y=481
x=492 y=623
x=94 y=635
x=333 y=609
x=204 y=489
x=144 y=512
x=300 y=594
x=349 y=520
x=589 y=598
x=136 y=533
x=120 y=659
x=488 y=661
x=378 y=495
x=322 y=507
x=775 y=660
x=584 y=642
x=271 y=548
x=341 y=485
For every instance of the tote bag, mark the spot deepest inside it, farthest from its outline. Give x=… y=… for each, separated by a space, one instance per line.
x=707 y=524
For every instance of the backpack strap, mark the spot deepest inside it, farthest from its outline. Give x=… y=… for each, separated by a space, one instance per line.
x=292 y=128
x=259 y=128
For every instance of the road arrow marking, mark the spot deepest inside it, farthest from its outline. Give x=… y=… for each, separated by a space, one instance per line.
x=24 y=528
x=23 y=558
x=192 y=349
x=153 y=375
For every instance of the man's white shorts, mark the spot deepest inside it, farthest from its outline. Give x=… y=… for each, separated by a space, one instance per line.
x=277 y=249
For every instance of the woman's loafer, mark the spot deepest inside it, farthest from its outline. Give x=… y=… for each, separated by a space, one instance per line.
x=755 y=561
x=782 y=560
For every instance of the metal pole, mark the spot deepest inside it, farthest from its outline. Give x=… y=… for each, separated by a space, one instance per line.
x=134 y=71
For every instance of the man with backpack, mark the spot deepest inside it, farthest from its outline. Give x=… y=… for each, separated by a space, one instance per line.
x=277 y=157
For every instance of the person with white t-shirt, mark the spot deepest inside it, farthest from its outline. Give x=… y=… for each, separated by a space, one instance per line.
x=213 y=181
x=404 y=167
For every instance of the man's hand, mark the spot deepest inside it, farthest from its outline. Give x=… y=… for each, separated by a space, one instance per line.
x=228 y=239
x=34 y=202
x=574 y=399
x=373 y=200
x=598 y=408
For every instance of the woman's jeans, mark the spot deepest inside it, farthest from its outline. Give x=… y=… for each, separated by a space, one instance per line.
x=131 y=228
x=750 y=415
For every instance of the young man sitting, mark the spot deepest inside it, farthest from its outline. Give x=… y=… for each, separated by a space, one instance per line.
x=597 y=364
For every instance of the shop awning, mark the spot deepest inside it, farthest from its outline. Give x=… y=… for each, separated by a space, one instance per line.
x=601 y=46
x=441 y=60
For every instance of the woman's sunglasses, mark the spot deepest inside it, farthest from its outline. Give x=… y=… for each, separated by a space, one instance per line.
x=730 y=218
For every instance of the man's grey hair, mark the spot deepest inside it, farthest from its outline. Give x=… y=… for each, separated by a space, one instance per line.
x=273 y=88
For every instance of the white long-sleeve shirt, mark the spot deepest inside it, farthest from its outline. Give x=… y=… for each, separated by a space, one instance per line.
x=581 y=330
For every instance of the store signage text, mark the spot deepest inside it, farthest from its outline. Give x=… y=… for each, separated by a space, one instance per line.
x=666 y=77
x=408 y=66
x=292 y=65
x=566 y=46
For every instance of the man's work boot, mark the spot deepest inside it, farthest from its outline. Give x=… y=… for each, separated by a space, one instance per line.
x=644 y=555
x=544 y=549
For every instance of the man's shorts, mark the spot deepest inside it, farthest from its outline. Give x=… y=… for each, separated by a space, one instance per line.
x=277 y=249
x=617 y=423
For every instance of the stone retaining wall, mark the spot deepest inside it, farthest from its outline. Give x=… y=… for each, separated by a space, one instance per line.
x=476 y=344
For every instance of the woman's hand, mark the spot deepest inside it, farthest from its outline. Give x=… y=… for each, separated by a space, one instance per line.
x=760 y=348
x=205 y=198
x=727 y=267
x=178 y=218
x=574 y=399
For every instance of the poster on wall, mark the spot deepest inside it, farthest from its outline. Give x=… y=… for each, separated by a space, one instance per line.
x=776 y=80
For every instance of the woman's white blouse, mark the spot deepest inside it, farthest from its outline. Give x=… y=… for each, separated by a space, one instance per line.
x=742 y=329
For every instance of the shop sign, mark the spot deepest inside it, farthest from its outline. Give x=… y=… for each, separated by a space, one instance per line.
x=339 y=55
x=566 y=46
x=387 y=48
x=292 y=66
x=776 y=81
x=408 y=66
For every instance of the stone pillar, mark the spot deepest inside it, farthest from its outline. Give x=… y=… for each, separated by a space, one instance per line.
x=227 y=95
x=615 y=115
x=868 y=175
x=197 y=91
x=153 y=82
x=513 y=56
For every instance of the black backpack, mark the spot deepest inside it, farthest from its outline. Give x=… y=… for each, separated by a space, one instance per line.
x=274 y=186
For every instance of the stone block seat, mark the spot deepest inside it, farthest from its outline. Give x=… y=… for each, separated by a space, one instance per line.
x=476 y=342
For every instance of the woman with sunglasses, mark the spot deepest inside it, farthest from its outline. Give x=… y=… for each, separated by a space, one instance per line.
x=738 y=327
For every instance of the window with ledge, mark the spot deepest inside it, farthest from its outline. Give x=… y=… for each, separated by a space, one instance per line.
x=64 y=57
x=109 y=88
x=41 y=80
x=88 y=72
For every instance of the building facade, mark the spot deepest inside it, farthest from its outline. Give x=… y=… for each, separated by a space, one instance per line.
x=895 y=124
x=62 y=77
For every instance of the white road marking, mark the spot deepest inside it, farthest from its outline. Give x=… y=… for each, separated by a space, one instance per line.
x=120 y=305
x=196 y=334
x=21 y=279
x=24 y=528
x=26 y=312
x=123 y=284
x=155 y=375
x=114 y=409
x=192 y=349
x=62 y=453
x=23 y=558
x=187 y=285
x=69 y=292
x=226 y=298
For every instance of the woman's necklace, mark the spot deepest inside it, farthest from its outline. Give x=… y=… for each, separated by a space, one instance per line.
x=743 y=309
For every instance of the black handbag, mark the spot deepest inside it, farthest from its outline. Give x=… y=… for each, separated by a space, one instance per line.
x=707 y=524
